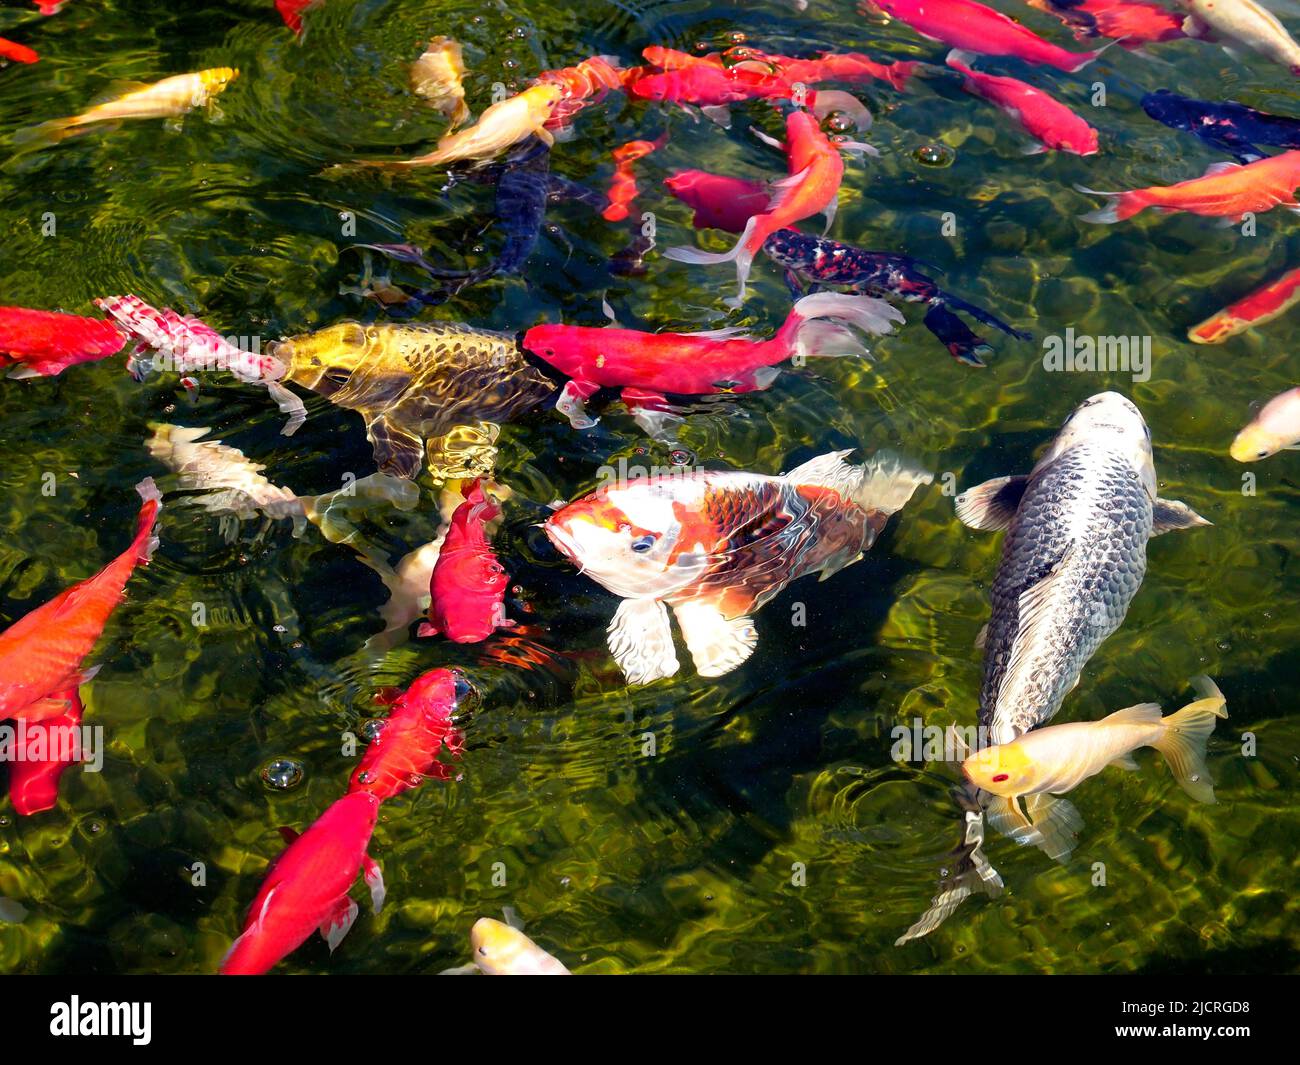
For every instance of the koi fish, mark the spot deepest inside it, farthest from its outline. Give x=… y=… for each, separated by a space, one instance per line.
x=1262 y=305
x=44 y=651
x=34 y=782
x=716 y=545
x=622 y=189
x=499 y=127
x=727 y=203
x=1243 y=22
x=852 y=67
x=468 y=585
x=1044 y=118
x=645 y=366
x=418 y=727
x=815 y=169
x=19 y=53
x=292 y=11
x=306 y=888
x=1073 y=559
x=45 y=343
x=436 y=78
x=1132 y=23
x=437 y=386
x=1275 y=428
x=975 y=27
x=1227 y=190
x=1230 y=127
x=582 y=85
x=188 y=345
x=821 y=261
x=168 y=98
x=50 y=7
x=501 y=949
x=1043 y=765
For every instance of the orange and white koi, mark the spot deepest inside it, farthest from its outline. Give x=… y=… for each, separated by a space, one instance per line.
x=1255 y=308
x=716 y=545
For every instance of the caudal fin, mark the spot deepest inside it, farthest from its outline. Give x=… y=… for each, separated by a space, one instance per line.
x=871 y=315
x=1183 y=737
x=1119 y=208
x=881 y=485
x=145 y=542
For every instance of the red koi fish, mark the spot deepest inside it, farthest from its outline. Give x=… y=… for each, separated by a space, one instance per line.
x=622 y=188
x=418 y=727
x=844 y=66
x=292 y=11
x=587 y=83
x=1262 y=305
x=50 y=7
x=719 y=202
x=1226 y=190
x=1132 y=23
x=45 y=343
x=645 y=366
x=1045 y=119
x=815 y=170
x=44 y=651
x=306 y=888
x=468 y=584
x=34 y=782
x=973 y=27
x=19 y=53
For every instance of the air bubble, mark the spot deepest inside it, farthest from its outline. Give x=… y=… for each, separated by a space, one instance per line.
x=283 y=774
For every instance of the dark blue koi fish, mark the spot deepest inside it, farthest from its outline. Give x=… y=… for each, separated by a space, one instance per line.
x=820 y=262
x=1230 y=127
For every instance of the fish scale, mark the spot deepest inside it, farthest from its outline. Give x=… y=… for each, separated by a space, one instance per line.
x=1091 y=503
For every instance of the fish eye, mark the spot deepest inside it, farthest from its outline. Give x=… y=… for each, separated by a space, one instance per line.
x=643 y=544
x=1001 y=777
x=483 y=951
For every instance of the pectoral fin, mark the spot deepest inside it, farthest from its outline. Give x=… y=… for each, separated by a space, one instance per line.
x=1057 y=823
x=398 y=451
x=641 y=641
x=374 y=878
x=1173 y=514
x=717 y=644
x=991 y=505
x=339 y=922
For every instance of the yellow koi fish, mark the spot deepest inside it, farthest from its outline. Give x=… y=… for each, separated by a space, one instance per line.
x=436 y=77
x=499 y=127
x=168 y=98
x=1275 y=428
x=1045 y=763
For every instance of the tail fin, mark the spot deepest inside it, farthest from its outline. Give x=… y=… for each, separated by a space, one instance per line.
x=145 y=542
x=34 y=138
x=1114 y=211
x=816 y=334
x=882 y=484
x=1182 y=741
x=682 y=254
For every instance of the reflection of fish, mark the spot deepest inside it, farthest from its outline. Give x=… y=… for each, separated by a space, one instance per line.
x=503 y=124
x=1043 y=765
x=441 y=382
x=1230 y=127
x=1242 y=22
x=436 y=78
x=1262 y=305
x=34 y=781
x=45 y=343
x=44 y=651
x=306 y=888
x=977 y=28
x=1131 y=22
x=500 y=949
x=647 y=366
x=164 y=99
x=468 y=584
x=418 y=726
x=1073 y=558
x=1226 y=190
x=717 y=545
x=1275 y=428
x=622 y=189
x=1044 y=118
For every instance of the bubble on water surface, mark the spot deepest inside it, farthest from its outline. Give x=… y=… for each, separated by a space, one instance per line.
x=935 y=155
x=283 y=774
